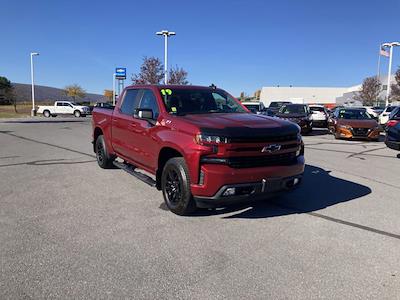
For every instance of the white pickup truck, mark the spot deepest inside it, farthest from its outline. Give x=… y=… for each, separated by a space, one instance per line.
x=64 y=108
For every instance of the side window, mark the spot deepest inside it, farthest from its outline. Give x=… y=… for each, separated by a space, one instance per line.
x=60 y=104
x=130 y=102
x=149 y=101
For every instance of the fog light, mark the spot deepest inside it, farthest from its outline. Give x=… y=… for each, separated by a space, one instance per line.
x=229 y=192
x=296 y=181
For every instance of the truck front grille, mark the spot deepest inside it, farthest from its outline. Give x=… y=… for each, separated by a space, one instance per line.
x=270 y=139
x=283 y=159
x=360 y=131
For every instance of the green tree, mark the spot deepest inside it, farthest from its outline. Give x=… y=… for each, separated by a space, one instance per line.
x=74 y=91
x=7 y=92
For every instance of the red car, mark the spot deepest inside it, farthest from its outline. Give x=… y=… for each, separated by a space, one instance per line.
x=201 y=147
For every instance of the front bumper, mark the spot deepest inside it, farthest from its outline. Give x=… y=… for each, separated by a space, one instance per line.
x=346 y=133
x=216 y=177
x=248 y=191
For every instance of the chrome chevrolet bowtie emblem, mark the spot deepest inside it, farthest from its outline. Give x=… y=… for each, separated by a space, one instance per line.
x=271 y=148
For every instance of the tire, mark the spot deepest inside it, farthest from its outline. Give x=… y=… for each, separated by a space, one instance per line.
x=47 y=114
x=77 y=114
x=175 y=185
x=104 y=160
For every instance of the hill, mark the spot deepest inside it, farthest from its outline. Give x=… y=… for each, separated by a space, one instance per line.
x=48 y=94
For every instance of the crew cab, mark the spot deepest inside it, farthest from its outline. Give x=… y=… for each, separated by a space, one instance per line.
x=64 y=108
x=199 y=145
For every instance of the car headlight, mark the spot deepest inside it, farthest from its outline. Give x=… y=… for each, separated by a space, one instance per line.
x=205 y=139
x=345 y=127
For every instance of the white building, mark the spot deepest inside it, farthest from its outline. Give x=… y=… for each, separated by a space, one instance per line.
x=315 y=95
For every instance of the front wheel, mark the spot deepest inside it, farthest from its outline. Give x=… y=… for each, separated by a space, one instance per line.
x=77 y=114
x=175 y=185
x=104 y=160
x=47 y=114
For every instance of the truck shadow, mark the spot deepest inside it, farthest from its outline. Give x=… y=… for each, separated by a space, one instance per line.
x=318 y=190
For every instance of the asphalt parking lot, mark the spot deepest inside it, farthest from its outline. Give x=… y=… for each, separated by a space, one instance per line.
x=72 y=230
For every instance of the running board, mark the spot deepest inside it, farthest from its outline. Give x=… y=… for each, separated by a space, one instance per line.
x=131 y=170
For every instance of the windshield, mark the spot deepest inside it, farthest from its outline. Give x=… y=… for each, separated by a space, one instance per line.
x=316 y=108
x=277 y=104
x=354 y=115
x=253 y=107
x=199 y=101
x=293 y=109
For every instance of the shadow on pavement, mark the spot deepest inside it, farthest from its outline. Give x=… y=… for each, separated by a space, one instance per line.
x=318 y=132
x=45 y=121
x=318 y=190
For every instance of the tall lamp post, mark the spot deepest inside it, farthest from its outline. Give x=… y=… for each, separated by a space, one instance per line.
x=390 y=46
x=166 y=34
x=33 y=112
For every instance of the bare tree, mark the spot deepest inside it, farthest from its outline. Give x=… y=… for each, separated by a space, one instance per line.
x=395 y=88
x=370 y=90
x=74 y=91
x=108 y=94
x=257 y=94
x=151 y=72
x=177 y=76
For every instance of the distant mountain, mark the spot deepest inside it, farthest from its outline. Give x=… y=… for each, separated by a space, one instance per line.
x=48 y=94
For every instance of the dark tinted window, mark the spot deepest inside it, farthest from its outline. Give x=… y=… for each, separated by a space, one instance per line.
x=353 y=114
x=60 y=104
x=181 y=101
x=130 y=102
x=149 y=101
x=294 y=109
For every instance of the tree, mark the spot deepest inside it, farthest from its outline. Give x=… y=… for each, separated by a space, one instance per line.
x=370 y=90
x=5 y=88
x=151 y=72
x=108 y=94
x=74 y=91
x=178 y=76
x=395 y=88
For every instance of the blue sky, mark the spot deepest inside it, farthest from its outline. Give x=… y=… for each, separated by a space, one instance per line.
x=238 y=45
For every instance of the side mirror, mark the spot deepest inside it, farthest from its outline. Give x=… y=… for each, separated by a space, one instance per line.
x=144 y=113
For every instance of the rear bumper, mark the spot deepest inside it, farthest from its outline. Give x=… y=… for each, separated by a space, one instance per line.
x=320 y=123
x=393 y=145
x=248 y=191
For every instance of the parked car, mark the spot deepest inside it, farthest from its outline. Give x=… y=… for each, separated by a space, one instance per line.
x=349 y=123
x=392 y=139
x=297 y=113
x=104 y=105
x=201 y=145
x=319 y=116
x=64 y=108
x=275 y=106
x=255 y=107
x=384 y=116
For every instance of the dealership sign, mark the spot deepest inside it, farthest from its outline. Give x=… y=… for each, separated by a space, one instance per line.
x=120 y=73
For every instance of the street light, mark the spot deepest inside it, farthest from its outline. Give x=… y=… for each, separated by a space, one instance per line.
x=33 y=112
x=389 y=45
x=166 y=34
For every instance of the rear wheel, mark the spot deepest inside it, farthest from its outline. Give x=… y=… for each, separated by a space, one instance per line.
x=47 y=114
x=77 y=113
x=175 y=185
x=104 y=160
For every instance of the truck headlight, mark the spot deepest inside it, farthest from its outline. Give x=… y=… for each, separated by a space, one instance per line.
x=202 y=139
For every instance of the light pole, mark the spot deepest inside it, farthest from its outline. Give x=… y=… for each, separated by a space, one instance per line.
x=166 y=34
x=33 y=112
x=114 y=89
x=390 y=46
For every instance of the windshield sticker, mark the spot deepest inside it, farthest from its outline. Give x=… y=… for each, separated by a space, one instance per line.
x=173 y=109
x=165 y=92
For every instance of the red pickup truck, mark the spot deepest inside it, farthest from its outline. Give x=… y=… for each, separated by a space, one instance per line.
x=199 y=145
